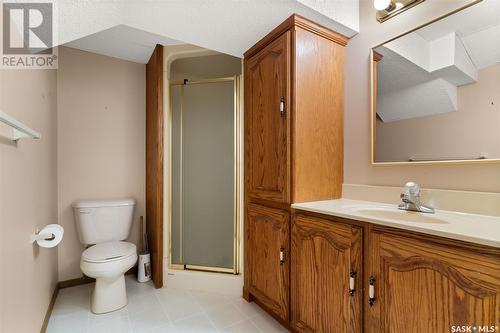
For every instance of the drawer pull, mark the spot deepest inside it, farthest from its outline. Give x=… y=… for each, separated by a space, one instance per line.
x=282 y=256
x=282 y=107
x=371 y=291
x=352 y=283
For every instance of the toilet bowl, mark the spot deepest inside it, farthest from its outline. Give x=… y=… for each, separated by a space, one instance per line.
x=107 y=224
x=107 y=262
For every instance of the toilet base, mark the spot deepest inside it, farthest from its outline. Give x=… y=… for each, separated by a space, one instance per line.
x=109 y=295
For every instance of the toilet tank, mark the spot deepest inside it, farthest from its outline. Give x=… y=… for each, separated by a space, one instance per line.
x=99 y=221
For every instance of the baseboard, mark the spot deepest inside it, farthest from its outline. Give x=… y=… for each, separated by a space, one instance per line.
x=49 y=309
x=85 y=279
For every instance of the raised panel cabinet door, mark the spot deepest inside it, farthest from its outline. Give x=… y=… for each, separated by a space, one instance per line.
x=326 y=276
x=422 y=285
x=268 y=245
x=267 y=122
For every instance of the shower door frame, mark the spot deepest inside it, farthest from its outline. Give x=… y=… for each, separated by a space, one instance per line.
x=237 y=175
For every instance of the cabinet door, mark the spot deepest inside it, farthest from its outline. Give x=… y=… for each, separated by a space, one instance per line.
x=425 y=286
x=325 y=256
x=267 y=122
x=267 y=234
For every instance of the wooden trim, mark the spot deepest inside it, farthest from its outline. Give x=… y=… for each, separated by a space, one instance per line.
x=320 y=30
x=85 y=279
x=154 y=162
x=296 y=20
x=75 y=282
x=438 y=240
x=45 y=323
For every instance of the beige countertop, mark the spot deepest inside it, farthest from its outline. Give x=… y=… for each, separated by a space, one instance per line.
x=474 y=228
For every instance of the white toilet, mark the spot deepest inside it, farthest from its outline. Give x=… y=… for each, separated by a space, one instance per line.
x=106 y=223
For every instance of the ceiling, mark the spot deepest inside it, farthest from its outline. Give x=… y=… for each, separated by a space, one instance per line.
x=130 y=29
x=122 y=42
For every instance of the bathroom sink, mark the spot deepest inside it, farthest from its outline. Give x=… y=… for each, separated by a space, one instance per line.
x=400 y=215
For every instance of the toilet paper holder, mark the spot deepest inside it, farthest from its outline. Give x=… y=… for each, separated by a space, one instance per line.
x=49 y=236
x=45 y=236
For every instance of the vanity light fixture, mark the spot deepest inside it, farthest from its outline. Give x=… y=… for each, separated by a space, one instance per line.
x=390 y=8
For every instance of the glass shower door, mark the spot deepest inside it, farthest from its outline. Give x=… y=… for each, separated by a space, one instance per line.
x=203 y=175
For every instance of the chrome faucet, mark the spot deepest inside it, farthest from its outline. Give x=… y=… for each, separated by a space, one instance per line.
x=411 y=199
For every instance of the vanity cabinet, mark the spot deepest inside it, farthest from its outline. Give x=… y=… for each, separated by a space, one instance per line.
x=326 y=276
x=426 y=284
x=401 y=281
x=267 y=239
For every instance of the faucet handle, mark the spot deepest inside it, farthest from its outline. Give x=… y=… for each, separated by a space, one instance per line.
x=412 y=188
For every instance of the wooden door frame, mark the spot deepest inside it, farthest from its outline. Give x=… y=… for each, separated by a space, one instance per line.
x=154 y=162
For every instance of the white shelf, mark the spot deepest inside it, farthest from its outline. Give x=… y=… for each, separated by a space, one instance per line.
x=19 y=130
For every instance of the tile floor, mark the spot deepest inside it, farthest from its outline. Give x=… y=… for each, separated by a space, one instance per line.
x=160 y=310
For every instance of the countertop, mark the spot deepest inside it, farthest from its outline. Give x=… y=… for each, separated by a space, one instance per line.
x=474 y=228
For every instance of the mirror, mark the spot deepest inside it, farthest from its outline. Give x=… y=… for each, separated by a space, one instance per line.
x=436 y=90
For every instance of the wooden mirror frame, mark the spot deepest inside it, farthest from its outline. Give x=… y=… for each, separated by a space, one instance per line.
x=374 y=58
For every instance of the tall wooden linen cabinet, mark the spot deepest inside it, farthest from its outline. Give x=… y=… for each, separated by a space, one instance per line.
x=293 y=146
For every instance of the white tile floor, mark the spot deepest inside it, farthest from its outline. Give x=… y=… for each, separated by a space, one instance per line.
x=160 y=310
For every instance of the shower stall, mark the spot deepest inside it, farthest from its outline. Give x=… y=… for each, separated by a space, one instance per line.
x=204 y=174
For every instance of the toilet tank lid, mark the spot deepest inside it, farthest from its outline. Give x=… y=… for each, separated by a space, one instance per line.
x=104 y=203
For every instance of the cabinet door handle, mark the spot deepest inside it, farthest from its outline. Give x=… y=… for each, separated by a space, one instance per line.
x=371 y=290
x=352 y=283
x=282 y=256
x=282 y=107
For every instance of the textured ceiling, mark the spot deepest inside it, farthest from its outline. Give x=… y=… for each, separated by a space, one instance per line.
x=227 y=26
x=122 y=42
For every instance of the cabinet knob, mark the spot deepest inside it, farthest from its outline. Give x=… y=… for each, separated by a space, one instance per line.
x=352 y=283
x=371 y=290
x=282 y=107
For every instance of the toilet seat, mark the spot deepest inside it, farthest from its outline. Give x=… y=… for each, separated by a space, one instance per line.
x=109 y=252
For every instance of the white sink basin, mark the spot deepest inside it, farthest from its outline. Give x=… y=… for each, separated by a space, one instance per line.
x=400 y=215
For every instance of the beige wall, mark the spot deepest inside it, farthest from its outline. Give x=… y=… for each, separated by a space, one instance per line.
x=358 y=170
x=205 y=67
x=469 y=131
x=101 y=131
x=28 y=192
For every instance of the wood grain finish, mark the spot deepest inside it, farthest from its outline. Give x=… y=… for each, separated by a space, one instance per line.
x=267 y=132
x=318 y=136
x=424 y=286
x=323 y=256
x=293 y=21
x=154 y=162
x=291 y=157
x=266 y=233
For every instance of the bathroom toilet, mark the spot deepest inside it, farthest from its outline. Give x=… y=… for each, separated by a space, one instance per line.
x=104 y=225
